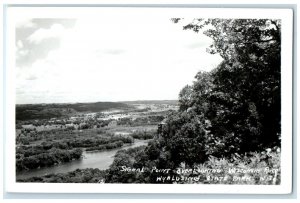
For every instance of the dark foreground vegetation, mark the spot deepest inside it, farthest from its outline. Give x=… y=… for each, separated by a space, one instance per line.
x=132 y=166
x=88 y=175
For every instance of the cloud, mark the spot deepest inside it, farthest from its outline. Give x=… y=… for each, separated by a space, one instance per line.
x=20 y=51
x=23 y=53
x=31 y=77
x=103 y=59
x=20 y=44
x=114 y=51
x=55 y=31
x=25 y=23
x=34 y=42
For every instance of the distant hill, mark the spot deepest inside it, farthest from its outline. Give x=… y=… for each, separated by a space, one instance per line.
x=171 y=102
x=46 y=111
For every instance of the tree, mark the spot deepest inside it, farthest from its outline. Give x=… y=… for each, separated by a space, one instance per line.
x=184 y=137
x=115 y=174
x=185 y=98
x=242 y=100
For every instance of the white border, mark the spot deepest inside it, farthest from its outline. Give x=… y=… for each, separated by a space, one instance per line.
x=72 y=12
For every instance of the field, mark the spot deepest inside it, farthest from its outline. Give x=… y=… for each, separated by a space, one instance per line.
x=52 y=141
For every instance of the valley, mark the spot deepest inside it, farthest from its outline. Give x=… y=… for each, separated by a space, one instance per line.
x=84 y=139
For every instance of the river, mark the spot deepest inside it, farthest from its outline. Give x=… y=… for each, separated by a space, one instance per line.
x=96 y=159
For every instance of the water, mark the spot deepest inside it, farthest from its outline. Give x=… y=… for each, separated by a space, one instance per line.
x=97 y=159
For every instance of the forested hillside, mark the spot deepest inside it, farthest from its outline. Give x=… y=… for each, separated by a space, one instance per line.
x=46 y=111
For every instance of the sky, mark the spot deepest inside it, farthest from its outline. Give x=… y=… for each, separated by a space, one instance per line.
x=106 y=59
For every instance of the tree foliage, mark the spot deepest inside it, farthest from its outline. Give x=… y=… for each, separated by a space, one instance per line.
x=237 y=103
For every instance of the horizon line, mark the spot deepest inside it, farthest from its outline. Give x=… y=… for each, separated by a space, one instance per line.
x=139 y=100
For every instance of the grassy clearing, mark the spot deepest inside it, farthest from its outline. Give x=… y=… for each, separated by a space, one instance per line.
x=127 y=129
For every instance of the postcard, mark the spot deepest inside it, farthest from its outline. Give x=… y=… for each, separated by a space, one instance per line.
x=148 y=100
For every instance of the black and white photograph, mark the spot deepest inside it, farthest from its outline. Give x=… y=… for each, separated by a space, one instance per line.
x=133 y=97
